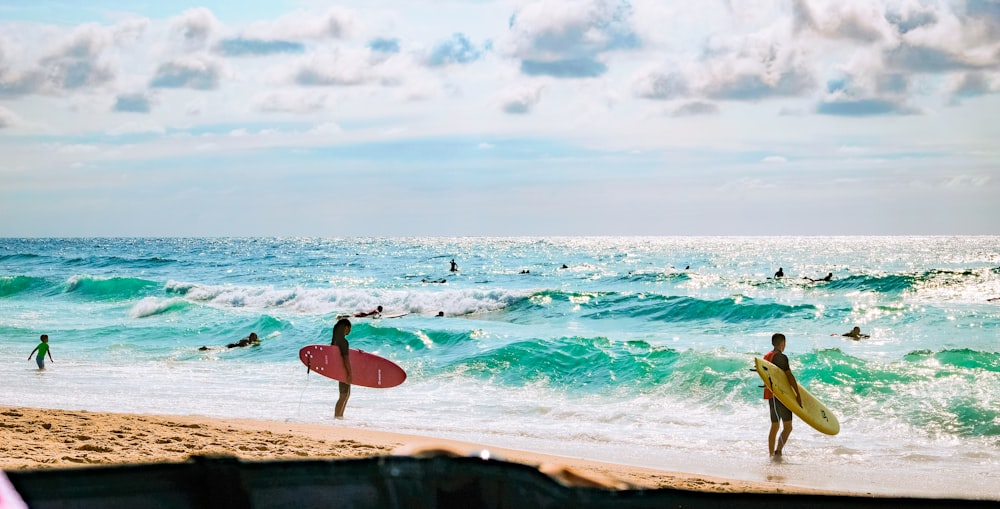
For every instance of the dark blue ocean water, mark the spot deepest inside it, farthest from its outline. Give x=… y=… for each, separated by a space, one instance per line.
x=637 y=351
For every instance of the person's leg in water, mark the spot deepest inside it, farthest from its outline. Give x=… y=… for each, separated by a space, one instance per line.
x=779 y=413
x=345 y=393
x=786 y=429
x=771 y=437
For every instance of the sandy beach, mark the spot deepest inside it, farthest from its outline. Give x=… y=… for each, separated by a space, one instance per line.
x=32 y=438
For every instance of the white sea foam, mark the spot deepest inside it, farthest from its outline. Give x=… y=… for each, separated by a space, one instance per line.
x=320 y=301
x=151 y=306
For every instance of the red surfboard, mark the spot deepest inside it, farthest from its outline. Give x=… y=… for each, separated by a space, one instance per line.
x=369 y=370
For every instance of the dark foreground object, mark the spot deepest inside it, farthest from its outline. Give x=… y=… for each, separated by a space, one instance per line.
x=383 y=482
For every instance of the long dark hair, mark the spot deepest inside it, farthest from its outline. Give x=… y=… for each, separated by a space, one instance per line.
x=342 y=324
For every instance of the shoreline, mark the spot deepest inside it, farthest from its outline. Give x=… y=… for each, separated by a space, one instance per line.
x=37 y=438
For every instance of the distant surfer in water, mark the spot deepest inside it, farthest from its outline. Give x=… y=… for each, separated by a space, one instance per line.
x=373 y=313
x=454 y=266
x=780 y=273
x=777 y=409
x=251 y=340
x=855 y=334
x=340 y=332
x=829 y=277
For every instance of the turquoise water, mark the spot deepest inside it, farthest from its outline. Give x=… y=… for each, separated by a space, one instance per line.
x=638 y=352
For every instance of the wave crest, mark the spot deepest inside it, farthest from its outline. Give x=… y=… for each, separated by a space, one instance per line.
x=108 y=288
x=152 y=306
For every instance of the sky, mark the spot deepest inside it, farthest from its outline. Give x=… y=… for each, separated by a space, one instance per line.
x=507 y=117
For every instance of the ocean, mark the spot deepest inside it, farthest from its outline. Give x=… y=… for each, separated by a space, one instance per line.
x=634 y=350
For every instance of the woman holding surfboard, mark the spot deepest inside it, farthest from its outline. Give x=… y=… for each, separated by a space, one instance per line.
x=340 y=332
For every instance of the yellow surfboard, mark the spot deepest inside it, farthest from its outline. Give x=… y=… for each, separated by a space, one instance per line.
x=812 y=411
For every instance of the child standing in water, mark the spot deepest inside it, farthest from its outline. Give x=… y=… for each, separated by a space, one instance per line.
x=42 y=349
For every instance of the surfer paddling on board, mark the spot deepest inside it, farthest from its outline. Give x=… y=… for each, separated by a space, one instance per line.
x=373 y=313
x=251 y=340
x=340 y=332
x=855 y=334
x=779 y=411
x=829 y=277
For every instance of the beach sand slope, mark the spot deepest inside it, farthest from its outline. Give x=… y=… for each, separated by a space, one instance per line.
x=32 y=438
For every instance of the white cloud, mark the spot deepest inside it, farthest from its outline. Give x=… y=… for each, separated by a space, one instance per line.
x=420 y=89
x=138 y=102
x=973 y=84
x=335 y=23
x=774 y=160
x=337 y=67
x=757 y=66
x=54 y=61
x=326 y=129
x=293 y=101
x=137 y=127
x=569 y=38
x=967 y=181
x=196 y=28
x=861 y=22
x=660 y=84
x=77 y=148
x=9 y=119
x=521 y=99
x=130 y=31
x=199 y=72
x=196 y=107
x=695 y=108
x=78 y=62
x=853 y=150
x=746 y=184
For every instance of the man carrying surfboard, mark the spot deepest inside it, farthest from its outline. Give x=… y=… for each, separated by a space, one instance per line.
x=777 y=409
x=340 y=332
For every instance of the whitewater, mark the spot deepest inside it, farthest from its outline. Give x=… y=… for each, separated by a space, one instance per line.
x=634 y=350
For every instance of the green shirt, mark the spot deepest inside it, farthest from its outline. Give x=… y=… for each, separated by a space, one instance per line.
x=43 y=348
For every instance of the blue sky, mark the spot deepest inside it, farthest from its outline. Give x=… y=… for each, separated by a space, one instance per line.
x=543 y=117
